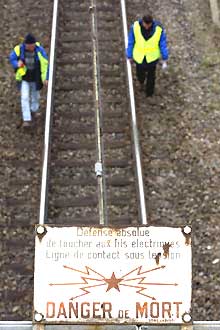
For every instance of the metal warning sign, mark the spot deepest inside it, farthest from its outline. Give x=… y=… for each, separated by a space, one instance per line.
x=112 y=275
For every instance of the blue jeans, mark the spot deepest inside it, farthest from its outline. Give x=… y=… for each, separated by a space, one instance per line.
x=29 y=99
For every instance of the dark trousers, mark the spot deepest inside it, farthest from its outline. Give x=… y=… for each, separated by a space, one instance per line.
x=147 y=71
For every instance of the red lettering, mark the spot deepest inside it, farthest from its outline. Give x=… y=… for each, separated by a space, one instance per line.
x=177 y=308
x=96 y=309
x=62 y=311
x=154 y=312
x=107 y=308
x=141 y=310
x=50 y=310
x=166 y=309
x=74 y=309
x=85 y=312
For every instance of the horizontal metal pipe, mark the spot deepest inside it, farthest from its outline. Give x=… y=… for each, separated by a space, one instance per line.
x=207 y=322
x=15 y=323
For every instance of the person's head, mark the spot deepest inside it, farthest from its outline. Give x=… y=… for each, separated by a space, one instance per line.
x=147 y=22
x=30 y=42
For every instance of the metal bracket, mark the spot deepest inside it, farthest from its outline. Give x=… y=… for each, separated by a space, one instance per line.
x=98 y=169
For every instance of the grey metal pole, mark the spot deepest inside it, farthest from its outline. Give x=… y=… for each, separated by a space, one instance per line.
x=134 y=125
x=186 y=327
x=206 y=325
x=215 y=12
x=15 y=325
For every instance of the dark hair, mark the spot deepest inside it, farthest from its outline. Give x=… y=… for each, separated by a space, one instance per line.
x=29 y=39
x=147 y=19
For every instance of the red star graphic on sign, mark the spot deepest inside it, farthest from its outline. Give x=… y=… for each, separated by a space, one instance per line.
x=113 y=282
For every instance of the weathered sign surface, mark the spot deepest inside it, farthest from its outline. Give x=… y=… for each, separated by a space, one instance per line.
x=128 y=275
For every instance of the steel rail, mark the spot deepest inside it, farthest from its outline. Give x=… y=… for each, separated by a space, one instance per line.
x=134 y=125
x=44 y=180
x=100 y=177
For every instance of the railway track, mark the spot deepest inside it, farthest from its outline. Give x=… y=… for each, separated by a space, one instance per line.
x=172 y=176
x=90 y=125
x=91 y=120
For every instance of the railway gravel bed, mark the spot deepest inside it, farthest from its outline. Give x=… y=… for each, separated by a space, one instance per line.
x=179 y=139
x=72 y=185
x=120 y=181
x=20 y=168
x=73 y=188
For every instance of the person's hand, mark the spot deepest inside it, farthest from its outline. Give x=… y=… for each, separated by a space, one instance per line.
x=164 y=65
x=45 y=83
x=20 y=63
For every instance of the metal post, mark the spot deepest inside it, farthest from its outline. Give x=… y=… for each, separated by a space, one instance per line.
x=215 y=12
x=134 y=125
x=43 y=198
x=187 y=327
x=38 y=327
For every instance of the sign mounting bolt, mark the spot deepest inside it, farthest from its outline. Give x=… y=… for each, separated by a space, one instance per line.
x=38 y=317
x=187 y=318
x=187 y=230
x=40 y=231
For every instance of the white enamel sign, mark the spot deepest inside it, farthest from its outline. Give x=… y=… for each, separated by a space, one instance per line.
x=128 y=275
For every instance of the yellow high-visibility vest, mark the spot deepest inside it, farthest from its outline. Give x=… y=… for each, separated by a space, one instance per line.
x=146 y=48
x=22 y=71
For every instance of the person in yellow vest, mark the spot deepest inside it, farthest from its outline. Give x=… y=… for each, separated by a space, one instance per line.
x=30 y=62
x=146 y=45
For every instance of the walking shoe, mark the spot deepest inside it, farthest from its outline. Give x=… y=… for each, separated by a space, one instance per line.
x=27 y=124
x=141 y=87
x=151 y=100
x=149 y=95
x=35 y=114
x=19 y=123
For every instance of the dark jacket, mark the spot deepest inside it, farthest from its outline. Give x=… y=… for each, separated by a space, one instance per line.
x=41 y=62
